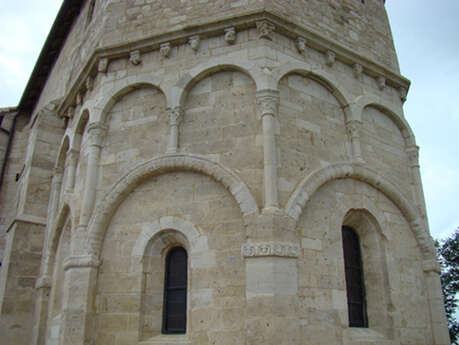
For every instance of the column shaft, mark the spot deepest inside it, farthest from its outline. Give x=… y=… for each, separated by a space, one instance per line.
x=268 y=104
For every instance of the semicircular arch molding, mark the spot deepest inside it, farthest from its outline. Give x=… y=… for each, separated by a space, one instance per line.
x=195 y=242
x=158 y=166
x=52 y=241
x=321 y=76
x=388 y=109
x=62 y=152
x=180 y=91
x=311 y=183
x=118 y=90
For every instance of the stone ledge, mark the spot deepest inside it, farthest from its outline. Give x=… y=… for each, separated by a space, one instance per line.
x=167 y=339
x=26 y=218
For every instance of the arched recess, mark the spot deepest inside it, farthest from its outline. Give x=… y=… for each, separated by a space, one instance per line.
x=52 y=239
x=120 y=89
x=80 y=129
x=312 y=119
x=62 y=154
x=185 y=84
x=137 y=128
x=220 y=120
x=374 y=260
x=311 y=183
x=161 y=165
x=60 y=250
x=364 y=101
x=321 y=76
x=151 y=247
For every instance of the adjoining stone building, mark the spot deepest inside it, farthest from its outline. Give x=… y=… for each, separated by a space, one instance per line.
x=215 y=172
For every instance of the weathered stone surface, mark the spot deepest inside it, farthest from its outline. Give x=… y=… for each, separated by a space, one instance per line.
x=247 y=132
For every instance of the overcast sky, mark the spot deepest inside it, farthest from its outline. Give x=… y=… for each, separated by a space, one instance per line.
x=426 y=35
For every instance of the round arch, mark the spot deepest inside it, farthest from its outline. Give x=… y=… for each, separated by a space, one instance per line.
x=311 y=183
x=62 y=152
x=158 y=166
x=388 y=109
x=119 y=89
x=186 y=83
x=195 y=241
x=321 y=76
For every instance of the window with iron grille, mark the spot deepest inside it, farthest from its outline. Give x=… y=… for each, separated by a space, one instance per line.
x=355 y=285
x=175 y=291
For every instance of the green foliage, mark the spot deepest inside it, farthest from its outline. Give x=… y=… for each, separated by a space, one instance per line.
x=448 y=255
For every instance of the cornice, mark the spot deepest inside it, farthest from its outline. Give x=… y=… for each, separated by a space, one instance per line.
x=206 y=29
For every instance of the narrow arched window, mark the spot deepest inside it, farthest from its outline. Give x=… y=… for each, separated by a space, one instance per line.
x=355 y=286
x=174 y=306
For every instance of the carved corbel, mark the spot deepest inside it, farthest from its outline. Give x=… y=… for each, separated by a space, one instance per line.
x=358 y=70
x=413 y=156
x=165 y=50
x=301 y=45
x=403 y=93
x=103 y=65
x=330 y=58
x=134 y=57
x=265 y=29
x=381 y=81
x=194 y=42
x=230 y=35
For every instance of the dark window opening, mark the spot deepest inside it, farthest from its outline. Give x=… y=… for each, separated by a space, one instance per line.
x=175 y=286
x=355 y=286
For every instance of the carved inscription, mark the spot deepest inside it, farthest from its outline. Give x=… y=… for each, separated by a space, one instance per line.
x=270 y=249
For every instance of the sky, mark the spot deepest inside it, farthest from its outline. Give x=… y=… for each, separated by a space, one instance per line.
x=426 y=36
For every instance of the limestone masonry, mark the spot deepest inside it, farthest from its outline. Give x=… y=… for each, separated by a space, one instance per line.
x=195 y=172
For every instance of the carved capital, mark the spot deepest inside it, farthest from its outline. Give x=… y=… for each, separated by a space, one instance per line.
x=330 y=58
x=43 y=282
x=72 y=157
x=81 y=262
x=79 y=98
x=165 y=50
x=194 y=42
x=230 y=35
x=358 y=70
x=134 y=57
x=353 y=128
x=58 y=175
x=267 y=102
x=381 y=81
x=301 y=45
x=96 y=132
x=175 y=115
x=70 y=112
x=265 y=29
x=103 y=65
x=288 y=250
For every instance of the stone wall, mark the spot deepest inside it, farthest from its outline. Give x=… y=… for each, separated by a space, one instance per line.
x=249 y=142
